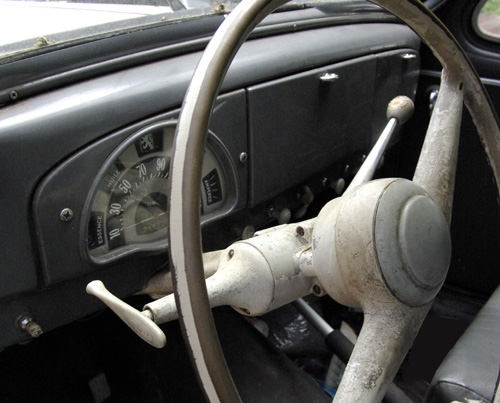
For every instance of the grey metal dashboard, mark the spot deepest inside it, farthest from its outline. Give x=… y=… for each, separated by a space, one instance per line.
x=57 y=147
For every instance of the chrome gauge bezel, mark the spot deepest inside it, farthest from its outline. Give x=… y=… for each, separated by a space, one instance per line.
x=229 y=178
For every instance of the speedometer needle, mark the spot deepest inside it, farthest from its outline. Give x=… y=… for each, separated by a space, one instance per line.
x=142 y=222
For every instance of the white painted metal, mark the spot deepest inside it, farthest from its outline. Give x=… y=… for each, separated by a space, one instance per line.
x=254 y=276
x=399 y=111
x=436 y=167
x=142 y=325
x=347 y=253
x=334 y=253
x=368 y=168
x=284 y=263
x=161 y=284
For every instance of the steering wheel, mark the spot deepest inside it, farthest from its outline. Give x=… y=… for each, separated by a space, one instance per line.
x=375 y=360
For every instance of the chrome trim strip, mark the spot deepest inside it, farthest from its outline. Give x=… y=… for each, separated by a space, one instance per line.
x=437 y=74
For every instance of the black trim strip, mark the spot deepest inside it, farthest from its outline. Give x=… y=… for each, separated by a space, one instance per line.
x=38 y=83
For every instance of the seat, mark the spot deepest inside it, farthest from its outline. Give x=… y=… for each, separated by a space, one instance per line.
x=471 y=368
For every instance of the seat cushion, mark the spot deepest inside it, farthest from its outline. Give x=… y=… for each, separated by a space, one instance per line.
x=471 y=368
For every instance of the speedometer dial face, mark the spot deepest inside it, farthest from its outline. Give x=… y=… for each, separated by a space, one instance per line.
x=128 y=208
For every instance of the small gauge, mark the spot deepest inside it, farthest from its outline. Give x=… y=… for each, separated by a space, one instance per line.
x=128 y=206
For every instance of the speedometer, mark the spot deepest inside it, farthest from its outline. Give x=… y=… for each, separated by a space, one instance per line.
x=128 y=204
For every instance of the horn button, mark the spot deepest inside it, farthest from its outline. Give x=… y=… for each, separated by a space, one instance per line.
x=412 y=243
x=390 y=239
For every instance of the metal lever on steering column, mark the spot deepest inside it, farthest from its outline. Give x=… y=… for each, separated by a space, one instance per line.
x=140 y=322
x=250 y=277
x=143 y=323
x=256 y=275
x=399 y=111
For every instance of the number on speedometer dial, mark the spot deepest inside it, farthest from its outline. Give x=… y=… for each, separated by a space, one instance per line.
x=128 y=208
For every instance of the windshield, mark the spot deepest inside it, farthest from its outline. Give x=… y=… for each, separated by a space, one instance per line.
x=28 y=25
x=41 y=19
x=34 y=25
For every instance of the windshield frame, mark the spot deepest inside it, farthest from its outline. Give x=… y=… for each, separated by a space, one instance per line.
x=31 y=72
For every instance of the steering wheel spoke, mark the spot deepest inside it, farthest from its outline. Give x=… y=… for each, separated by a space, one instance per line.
x=387 y=262
x=387 y=334
x=437 y=165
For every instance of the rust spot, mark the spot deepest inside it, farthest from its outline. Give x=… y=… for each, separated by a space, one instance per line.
x=372 y=378
x=42 y=41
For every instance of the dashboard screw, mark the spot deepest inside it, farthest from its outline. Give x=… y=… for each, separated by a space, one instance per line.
x=66 y=215
x=243 y=158
x=27 y=322
x=13 y=95
x=34 y=329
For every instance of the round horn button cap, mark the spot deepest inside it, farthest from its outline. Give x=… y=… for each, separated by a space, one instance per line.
x=412 y=243
x=424 y=241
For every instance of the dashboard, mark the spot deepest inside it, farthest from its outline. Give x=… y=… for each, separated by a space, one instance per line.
x=86 y=164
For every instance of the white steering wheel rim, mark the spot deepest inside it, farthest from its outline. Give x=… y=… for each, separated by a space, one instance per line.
x=185 y=172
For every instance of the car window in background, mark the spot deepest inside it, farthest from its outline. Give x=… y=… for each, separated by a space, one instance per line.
x=30 y=25
x=38 y=19
x=35 y=25
x=486 y=19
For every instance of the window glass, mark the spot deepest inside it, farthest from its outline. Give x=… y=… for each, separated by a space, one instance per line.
x=32 y=24
x=28 y=25
x=487 y=19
